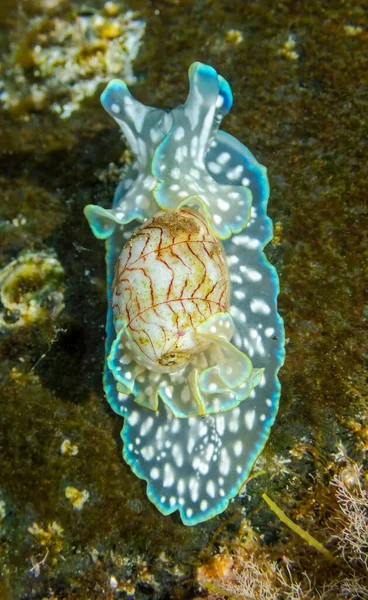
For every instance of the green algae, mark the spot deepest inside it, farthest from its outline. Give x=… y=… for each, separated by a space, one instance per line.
x=305 y=118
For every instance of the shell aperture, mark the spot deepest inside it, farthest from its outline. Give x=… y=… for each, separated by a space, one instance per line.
x=192 y=370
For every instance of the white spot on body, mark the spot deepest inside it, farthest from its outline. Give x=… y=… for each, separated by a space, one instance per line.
x=233 y=423
x=142 y=202
x=194 y=488
x=259 y=306
x=179 y=156
x=223 y=158
x=250 y=273
x=115 y=108
x=175 y=427
x=195 y=463
x=239 y=294
x=194 y=146
x=148 y=452
x=191 y=444
x=185 y=394
x=246 y=241
x=214 y=167
x=169 y=391
x=232 y=260
x=223 y=205
x=149 y=183
x=210 y=488
x=238 y=448
x=177 y=453
x=262 y=383
x=154 y=473
x=224 y=466
x=133 y=418
x=220 y=425
x=238 y=314
x=169 y=476
x=203 y=429
x=209 y=452
x=142 y=151
x=235 y=278
x=181 y=486
x=203 y=468
x=249 y=418
x=179 y=134
x=235 y=173
x=219 y=101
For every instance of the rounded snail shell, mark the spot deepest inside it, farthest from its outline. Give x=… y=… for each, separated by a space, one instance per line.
x=170 y=277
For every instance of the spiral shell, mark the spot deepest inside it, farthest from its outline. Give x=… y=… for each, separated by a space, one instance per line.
x=171 y=276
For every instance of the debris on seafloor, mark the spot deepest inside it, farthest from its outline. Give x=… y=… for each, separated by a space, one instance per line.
x=31 y=289
x=60 y=56
x=352 y=30
x=288 y=49
x=233 y=37
x=52 y=540
x=77 y=498
x=52 y=536
x=68 y=449
x=248 y=568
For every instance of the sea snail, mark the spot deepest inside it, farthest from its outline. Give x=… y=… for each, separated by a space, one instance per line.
x=194 y=340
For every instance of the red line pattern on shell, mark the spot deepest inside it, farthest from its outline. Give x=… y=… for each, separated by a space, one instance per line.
x=171 y=254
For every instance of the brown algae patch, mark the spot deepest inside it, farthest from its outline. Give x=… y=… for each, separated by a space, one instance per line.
x=29 y=213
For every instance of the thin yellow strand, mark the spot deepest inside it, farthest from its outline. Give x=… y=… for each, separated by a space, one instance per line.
x=298 y=530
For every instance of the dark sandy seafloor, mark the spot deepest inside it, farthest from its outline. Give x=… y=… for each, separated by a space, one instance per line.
x=298 y=71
